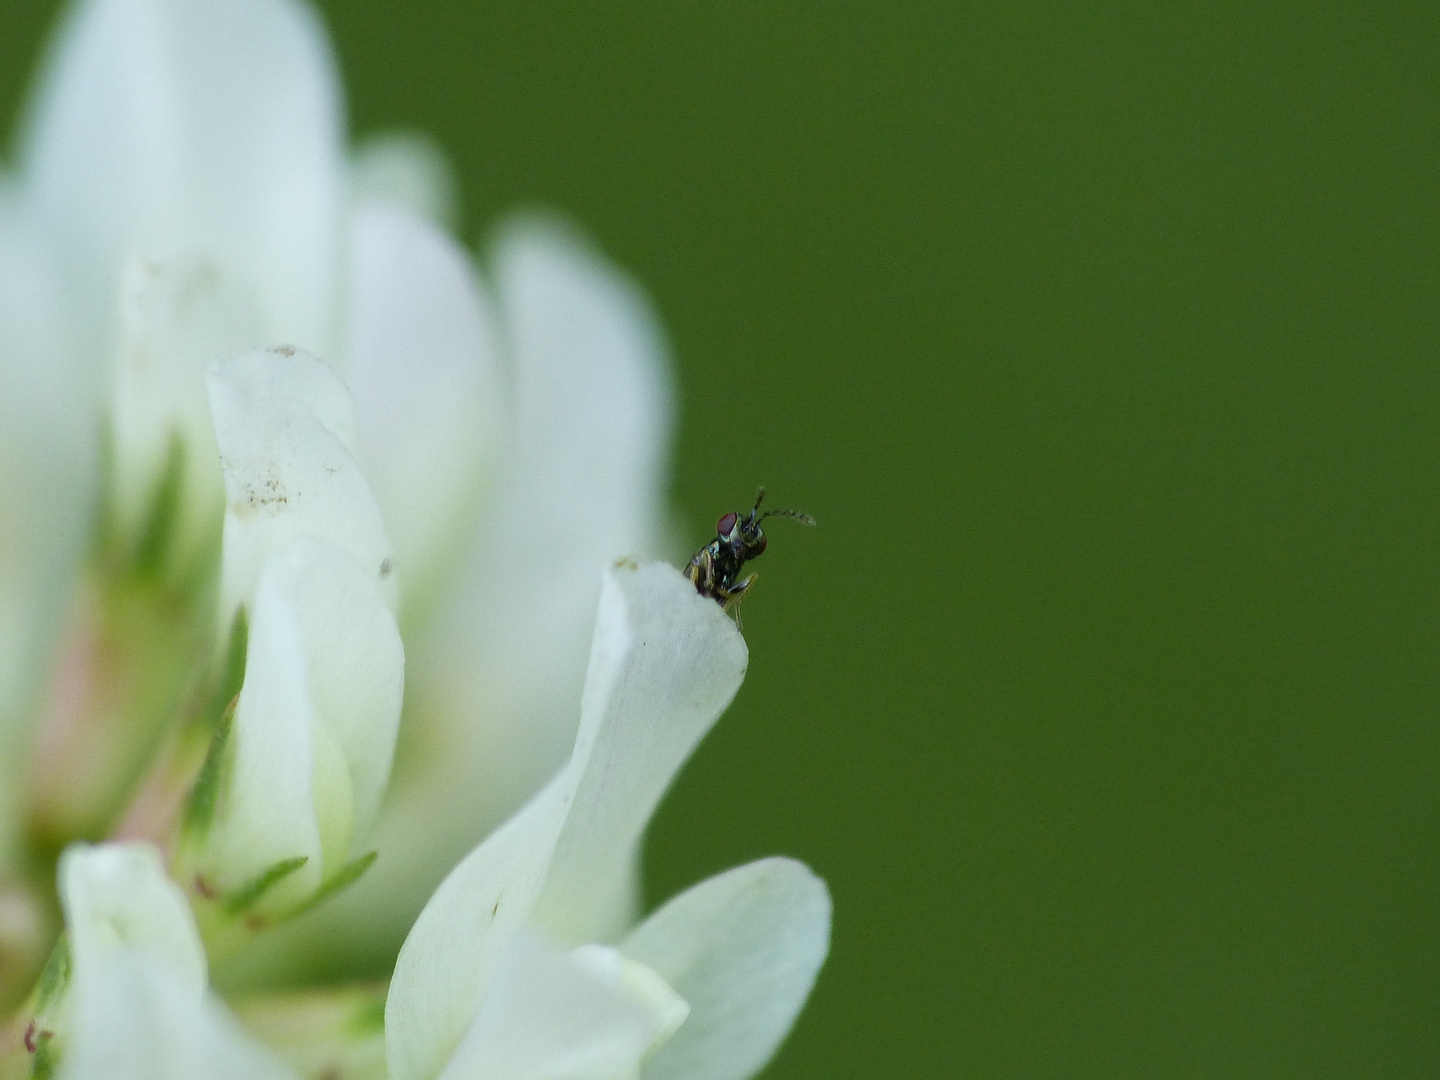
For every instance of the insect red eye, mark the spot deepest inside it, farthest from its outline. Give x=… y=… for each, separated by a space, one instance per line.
x=726 y=524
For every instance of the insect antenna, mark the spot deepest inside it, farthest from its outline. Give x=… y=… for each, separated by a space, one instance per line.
x=804 y=519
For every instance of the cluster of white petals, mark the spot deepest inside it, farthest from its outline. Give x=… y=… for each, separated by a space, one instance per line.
x=366 y=587
x=738 y=952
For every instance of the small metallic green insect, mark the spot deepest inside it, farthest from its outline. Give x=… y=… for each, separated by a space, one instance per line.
x=717 y=565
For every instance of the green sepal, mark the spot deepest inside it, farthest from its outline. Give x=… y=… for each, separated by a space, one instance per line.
x=157 y=534
x=46 y=1004
x=231 y=676
x=218 y=717
x=54 y=977
x=204 y=796
x=249 y=894
x=336 y=883
x=42 y=1065
x=237 y=908
x=369 y=1016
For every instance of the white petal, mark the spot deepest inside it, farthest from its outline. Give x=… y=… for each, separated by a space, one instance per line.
x=643 y=985
x=408 y=169
x=138 y=1007
x=314 y=729
x=117 y=898
x=682 y=666
x=285 y=427
x=133 y=1022
x=493 y=690
x=355 y=663
x=168 y=127
x=582 y=476
x=266 y=811
x=48 y=415
x=446 y=964
x=422 y=365
x=550 y=1016
x=743 y=948
x=664 y=664
x=174 y=319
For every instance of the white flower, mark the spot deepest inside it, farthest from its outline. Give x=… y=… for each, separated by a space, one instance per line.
x=184 y=164
x=325 y=429
x=133 y=1003
x=307 y=756
x=740 y=950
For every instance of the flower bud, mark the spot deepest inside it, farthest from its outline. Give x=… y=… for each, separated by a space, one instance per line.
x=297 y=771
x=304 y=762
x=127 y=995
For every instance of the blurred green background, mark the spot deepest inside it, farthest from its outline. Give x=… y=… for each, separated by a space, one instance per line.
x=1104 y=341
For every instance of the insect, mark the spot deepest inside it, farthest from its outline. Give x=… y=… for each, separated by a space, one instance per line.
x=717 y=565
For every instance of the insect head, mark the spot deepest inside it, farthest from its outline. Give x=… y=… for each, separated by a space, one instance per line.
x=715 y=568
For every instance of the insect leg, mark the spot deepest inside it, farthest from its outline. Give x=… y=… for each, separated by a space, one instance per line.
x=701 y=573
x=734 y=595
